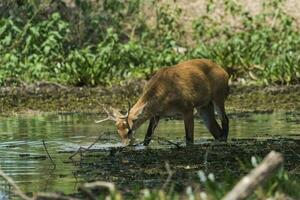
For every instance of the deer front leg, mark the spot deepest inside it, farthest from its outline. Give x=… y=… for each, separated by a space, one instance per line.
x=188 y=118
x=152 y=125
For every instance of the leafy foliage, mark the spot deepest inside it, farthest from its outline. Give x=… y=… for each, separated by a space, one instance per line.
x=92 y=43
x=263 y=47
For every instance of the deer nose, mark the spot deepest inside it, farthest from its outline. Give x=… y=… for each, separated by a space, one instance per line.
x=126 y=141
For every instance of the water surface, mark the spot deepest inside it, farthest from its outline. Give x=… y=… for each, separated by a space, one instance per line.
x=23 y=156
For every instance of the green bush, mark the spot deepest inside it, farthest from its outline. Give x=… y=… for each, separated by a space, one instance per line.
x=94 y=43
x=32 y=52
x=263 y=48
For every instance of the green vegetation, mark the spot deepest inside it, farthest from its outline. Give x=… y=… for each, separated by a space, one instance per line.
x=92 y=43
x=279 y=186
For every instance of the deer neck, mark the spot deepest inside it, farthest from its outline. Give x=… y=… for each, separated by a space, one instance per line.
x=141 y=112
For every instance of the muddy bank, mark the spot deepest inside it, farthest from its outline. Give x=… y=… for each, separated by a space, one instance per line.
x=131 y=169
x=49 y=97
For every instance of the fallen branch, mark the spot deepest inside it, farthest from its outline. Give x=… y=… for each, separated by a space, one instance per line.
x=177 y=145
x=51 y=196
x=83 y=149
x=113 y=151
x=17 y=191
x=100 y=184
x=87 y=192
x=79 y=150
x=170 y=175
x=206 y=156
x=45 y=147
x=263 y=171
x=87 y=188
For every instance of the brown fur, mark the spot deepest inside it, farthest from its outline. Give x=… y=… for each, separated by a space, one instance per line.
x=197 y=83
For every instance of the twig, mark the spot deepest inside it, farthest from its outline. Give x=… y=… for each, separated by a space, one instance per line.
x=83 y=149
x=46 y=83
x=16 y=190
x=292 y=150
x=100 y=184
x=177 y=145
x=295 y=169
x=51 y=196
x=113 y=151
x=206 y=156
x=264 y=170
x=87 y=192
x=170 y=174
x=45 y=147
x=79 y=150
x=87 y=187
x=39 y=196
x=76 y=179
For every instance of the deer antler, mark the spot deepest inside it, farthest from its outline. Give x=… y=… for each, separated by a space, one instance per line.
x=103 y=120
x=109 y=117
x=113 y=114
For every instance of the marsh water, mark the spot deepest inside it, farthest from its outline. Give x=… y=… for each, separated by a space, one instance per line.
x=23 y=155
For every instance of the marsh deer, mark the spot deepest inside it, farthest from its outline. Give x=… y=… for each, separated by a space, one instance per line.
x=198 y=83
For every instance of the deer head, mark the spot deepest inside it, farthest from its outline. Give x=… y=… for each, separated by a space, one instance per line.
x=123 y=124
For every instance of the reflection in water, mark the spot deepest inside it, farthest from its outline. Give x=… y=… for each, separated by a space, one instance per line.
x=24 y=159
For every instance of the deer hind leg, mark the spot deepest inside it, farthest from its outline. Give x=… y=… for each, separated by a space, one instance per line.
x=188 y=118
x=220 y=108
x=208 y=116
x=152 y=125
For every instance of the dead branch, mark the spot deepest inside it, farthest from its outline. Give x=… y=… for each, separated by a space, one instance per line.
x=79 y=150
x=39 y=196
x=48 y=83
x=16 y=188
x=100 y=184
x=177 y=145
x=113 y=151
x=87 y=192
x=263 y=171
x=88 y=187
x=83 y=149
x=170 y=175
x=51 y=196
x=208 y=149
x=45 y=147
